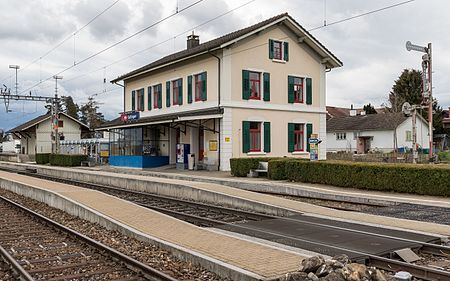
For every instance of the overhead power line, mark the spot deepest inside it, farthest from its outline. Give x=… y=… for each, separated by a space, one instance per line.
x=162 y=42
x=361 y=15
x=66 y=39
x=115 y=44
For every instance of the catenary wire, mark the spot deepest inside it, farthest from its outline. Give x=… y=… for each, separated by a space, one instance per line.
x=66 y=39
x=115 y=44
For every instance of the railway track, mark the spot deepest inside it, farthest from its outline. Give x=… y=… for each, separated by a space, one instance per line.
x=370 y=245
x=37 y=248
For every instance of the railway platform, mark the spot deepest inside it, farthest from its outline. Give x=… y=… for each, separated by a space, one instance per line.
x=243 y=259
x=242 y=198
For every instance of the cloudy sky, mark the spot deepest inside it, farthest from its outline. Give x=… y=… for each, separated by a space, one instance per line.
x=372 y=47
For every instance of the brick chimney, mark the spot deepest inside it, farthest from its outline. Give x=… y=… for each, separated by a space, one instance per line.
x=193 y=41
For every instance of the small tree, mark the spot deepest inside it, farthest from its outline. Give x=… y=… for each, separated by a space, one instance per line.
x=369 y=109
x=69 y=107
x=90 y=115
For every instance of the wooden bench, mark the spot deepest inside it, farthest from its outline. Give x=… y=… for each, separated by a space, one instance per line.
x=263 y=167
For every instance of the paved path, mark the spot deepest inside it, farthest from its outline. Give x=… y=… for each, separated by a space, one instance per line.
x=262 y=260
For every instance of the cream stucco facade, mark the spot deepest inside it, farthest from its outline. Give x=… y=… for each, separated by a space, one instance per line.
x=225 y=65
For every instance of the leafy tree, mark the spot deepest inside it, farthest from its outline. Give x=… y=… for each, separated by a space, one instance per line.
x=369 y=109
x=90 y=115
x=407 y=88
x=69 y=107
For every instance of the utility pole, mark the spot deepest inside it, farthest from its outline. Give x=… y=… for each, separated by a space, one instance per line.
x=16 y=67
x=427 y=87
x=55 y=118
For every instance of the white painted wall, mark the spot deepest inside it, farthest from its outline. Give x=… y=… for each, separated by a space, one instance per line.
x=382 y=140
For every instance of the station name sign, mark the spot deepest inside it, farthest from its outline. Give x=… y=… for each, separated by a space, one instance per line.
x=129 y=116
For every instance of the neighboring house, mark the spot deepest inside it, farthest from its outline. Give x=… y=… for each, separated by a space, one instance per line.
x=258 y=91
x=446 y=120
x=375 y=132
x=35 y=135
x=10 y=145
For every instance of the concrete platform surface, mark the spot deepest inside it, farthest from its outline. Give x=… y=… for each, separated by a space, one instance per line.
x=261 y=260
x=272 y=200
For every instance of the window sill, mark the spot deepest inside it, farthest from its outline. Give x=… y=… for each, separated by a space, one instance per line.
x=300 y=153
x=257 y=153
x=278 y=61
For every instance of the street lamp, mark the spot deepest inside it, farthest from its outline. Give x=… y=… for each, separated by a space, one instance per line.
x=16 y=67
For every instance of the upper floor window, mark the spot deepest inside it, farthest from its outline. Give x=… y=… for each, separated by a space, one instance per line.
x=299 y=90
x=60 y=124
x=140 y=100
x=177 y=92
x=200 y=86
x=255 y=85
x=408 y=136
x=278 y=50
x=157 y=96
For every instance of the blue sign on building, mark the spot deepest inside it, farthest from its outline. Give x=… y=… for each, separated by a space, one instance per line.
x=129 y=116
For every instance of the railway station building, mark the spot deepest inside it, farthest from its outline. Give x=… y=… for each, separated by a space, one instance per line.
x=258 y=91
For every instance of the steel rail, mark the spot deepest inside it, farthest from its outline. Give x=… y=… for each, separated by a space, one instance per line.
x=148 y=272
x=22 y=274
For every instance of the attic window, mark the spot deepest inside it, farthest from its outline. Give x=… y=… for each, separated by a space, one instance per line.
x=60 y=124
x=278 y=50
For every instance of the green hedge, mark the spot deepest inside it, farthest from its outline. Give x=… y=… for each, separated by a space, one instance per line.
x=444 y=156
x=66 y=159
x=42 y=158
x=240 y=167
x=406 y=178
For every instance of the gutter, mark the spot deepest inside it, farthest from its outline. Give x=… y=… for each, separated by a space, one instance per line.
x=218 y=105
x=123 y=86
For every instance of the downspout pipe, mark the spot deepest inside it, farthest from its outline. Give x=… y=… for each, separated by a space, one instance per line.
x=218 y=104
x=123 y=86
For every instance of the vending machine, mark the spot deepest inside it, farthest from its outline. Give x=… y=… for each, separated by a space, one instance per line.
x=183 y=151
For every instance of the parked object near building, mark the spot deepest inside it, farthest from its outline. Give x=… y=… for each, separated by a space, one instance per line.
x=35 y=135
x=259 y=91
x=375 y=132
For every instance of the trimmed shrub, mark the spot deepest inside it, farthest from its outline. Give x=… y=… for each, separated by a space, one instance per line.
x=240 y=167
x=42 y=158
x=405 y=178
x=277 y=168
x=444 y=156
x=69 y=160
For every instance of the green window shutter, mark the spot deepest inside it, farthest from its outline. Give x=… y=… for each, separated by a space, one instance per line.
x=133 y=100
x=204 y=84
x=142 y=101
x=270 y=49
x=149 y=98
x=189 y=89
x=168 y=94
x=286 y=51
x=180 y=91
x=160 y=96
x=309 y=130
x=266 y=77
x=245 y=136
x=291 y=137
x=245 y=85
x=266 y=136
x=290 y=89
x=308 y=91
